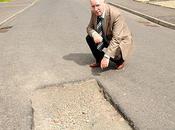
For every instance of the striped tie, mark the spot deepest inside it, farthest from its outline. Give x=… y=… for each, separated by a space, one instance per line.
x=99 y=25
x=100 y=31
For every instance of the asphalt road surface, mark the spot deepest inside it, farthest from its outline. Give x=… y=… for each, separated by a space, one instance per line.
x=46 y=45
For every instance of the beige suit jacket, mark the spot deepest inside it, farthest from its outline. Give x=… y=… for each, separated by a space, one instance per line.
x=116 y=31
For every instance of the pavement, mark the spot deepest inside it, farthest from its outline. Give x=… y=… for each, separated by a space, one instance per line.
x=153 y=11
x=158 y=14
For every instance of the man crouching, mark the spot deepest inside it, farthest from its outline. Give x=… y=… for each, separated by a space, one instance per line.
x=108 y=29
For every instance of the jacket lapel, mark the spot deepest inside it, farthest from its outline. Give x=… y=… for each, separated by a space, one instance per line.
x=95 y=24
x=106 y=20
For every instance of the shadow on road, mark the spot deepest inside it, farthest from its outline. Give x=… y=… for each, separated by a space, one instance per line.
x=86 y=59
x=80 y=58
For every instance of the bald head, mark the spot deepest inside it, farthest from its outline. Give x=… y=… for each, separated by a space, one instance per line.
x=98 y=1
x=97 y=7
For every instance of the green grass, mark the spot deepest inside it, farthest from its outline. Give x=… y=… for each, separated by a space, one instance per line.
x=4 y=0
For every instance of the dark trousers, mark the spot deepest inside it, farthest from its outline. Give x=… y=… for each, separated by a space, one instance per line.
x=99 y=54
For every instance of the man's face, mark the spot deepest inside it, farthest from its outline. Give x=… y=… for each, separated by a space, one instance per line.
x=97 y=7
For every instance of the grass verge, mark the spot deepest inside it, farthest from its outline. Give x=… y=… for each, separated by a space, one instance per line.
x=5 y=0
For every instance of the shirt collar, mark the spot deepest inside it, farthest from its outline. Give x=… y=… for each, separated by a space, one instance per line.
x=103 y=15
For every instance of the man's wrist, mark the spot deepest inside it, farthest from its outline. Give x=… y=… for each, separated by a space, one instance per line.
x=94 y=34
x=106 y=56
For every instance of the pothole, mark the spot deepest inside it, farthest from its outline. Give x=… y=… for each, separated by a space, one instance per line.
x=5 y=29
x=75 y=106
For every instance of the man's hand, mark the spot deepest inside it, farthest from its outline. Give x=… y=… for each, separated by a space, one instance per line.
x=104 y=63
x=97 y=38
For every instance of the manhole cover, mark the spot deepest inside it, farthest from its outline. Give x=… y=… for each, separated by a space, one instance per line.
x=75 y=106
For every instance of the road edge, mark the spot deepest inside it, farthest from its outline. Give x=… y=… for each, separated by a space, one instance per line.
x=18 y=12
x=150 y=18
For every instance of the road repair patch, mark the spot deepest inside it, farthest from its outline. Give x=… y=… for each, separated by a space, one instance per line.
x=75 y=106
